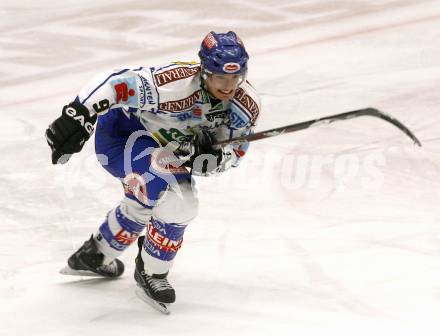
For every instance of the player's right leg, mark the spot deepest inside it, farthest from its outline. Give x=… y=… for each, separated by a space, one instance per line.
x=99 y=254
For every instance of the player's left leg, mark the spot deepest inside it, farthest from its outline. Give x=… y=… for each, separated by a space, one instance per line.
x=175 y=209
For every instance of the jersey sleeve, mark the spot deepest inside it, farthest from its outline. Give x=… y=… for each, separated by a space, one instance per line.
x=243 y=116
x=126 y=88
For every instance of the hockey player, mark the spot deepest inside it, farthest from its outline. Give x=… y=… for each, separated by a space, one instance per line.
x=156 y=128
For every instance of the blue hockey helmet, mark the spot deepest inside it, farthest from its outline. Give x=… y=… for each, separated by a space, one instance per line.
x=223 y=54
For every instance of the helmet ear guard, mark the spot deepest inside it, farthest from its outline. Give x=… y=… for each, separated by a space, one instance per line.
x=204 y=73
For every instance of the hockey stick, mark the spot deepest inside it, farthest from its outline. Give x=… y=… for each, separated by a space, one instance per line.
x=372 y=112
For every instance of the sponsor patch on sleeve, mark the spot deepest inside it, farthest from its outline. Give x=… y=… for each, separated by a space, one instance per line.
x=238 y=117
x=125 y=90
x=148 y=98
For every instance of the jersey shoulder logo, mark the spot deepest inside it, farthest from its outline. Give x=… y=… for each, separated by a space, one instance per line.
x=247 y=104
x=166 y=76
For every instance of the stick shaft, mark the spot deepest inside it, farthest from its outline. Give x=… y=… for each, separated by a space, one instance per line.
x=325 y=120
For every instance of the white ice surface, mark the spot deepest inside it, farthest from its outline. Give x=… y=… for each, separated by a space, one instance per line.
x=331 y=231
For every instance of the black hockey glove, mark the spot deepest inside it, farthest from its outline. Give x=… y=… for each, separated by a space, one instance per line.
x=68 y=133
x=201 y=156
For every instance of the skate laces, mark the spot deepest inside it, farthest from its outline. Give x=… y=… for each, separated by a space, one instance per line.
x=109 y=268
x=159 y=284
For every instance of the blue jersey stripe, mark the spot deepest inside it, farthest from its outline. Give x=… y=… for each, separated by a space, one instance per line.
x=97 y=88
x=163 y=67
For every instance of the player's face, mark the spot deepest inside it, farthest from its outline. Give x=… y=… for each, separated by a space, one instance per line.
x=223 y=86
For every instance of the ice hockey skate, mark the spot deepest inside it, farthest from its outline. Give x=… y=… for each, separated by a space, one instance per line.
x=153 y=289
x=88 y=261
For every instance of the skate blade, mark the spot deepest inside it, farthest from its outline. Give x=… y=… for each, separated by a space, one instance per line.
x=70 y=271
x=159 y=306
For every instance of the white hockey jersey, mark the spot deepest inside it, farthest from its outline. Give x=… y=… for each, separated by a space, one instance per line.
x=171 y=104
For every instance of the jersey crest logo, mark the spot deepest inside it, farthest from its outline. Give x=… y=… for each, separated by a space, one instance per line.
x=182 y=104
